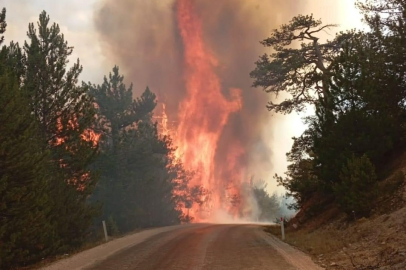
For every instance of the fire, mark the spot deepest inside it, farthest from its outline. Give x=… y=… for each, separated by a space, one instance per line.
x=162 y=120
x=203 y=114
x=88 y=135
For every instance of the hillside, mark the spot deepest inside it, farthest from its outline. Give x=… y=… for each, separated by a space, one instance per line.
x=339 y=241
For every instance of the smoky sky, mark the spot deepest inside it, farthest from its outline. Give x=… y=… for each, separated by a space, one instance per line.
x=143 y=38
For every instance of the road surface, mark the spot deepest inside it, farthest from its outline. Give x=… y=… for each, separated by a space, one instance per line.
x=207 y=246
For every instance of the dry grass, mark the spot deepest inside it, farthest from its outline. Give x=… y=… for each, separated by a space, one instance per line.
x=336 y=242
x=375 y=243
x=315 y=243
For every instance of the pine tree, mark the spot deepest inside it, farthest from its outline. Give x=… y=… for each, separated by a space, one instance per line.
x=64 y=112
x=358 y=189
x=117 y=108
x=137 y=181
x=343 y=153
x=3 y=24
x=26 y=234
x=14 y=58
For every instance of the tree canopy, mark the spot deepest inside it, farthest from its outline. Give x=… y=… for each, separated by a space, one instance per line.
x=356 y=84
x=74 y=154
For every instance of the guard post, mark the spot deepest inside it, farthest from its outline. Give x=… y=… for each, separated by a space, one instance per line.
x=283 y=228
x=105 y=231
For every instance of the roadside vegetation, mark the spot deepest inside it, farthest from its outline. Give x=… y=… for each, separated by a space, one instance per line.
x=347 y=170
x=74 y=154
x=356 y=85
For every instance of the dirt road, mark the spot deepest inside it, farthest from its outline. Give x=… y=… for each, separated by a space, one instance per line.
x=208 y=247
x=188 y=247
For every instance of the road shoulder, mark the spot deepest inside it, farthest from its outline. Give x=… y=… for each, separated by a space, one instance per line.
x=292 y=255
x=102 y=252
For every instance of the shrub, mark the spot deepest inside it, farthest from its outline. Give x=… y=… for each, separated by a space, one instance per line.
x=357 y=190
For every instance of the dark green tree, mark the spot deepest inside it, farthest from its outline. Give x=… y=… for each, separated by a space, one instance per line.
x=303 y=73
x=301 y=181
x=137 y=176
x=370 y=114
x=14 y=58
x=148 y=182
x=116 y=108
x=358 y=89
x=26 y=233
x=45 y=149
x=357 y=190
x=3 y=24
x=65 y=115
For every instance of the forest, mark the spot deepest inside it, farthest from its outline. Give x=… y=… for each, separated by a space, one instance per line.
x=356 y=86
x=74 y=154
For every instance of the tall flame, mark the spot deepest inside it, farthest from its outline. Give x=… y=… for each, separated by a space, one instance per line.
x=204 y=112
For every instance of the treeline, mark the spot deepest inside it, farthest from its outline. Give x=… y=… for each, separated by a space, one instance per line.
x=141 y=184
x=73 y=154
x=356 y=84
x=269 y=207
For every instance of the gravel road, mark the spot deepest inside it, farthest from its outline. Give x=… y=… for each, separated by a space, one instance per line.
x=201 y=246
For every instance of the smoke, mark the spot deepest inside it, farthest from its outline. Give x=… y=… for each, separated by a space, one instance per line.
x=145 y=40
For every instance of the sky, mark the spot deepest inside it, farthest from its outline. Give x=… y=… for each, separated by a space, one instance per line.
x=75 y=18
x=77 y=21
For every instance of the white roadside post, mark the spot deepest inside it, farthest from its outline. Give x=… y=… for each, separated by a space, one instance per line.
x=283 y=228
x=105 y=231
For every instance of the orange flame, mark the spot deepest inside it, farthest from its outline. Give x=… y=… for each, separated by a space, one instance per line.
x=203 y=113
x=88 y=135
x=162 y=120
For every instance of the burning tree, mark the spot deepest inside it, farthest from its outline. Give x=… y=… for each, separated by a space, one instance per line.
x=46 y=151
x=62 y=109
x=139 y=177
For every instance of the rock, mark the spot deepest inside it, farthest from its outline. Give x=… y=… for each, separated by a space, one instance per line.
x=333 y=264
